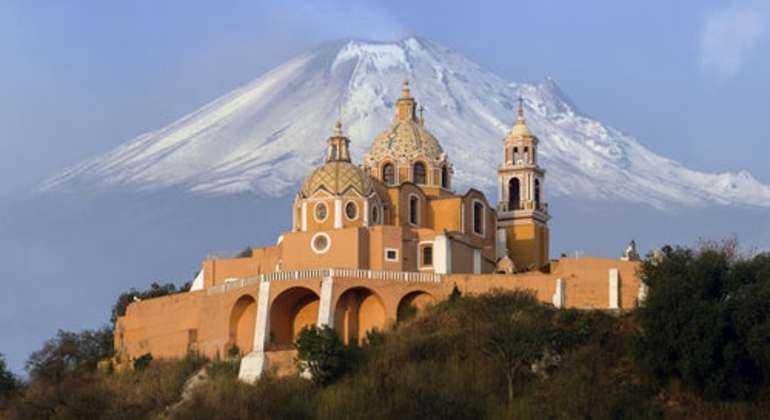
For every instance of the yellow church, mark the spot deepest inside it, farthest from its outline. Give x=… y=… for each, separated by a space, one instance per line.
x=369 y=245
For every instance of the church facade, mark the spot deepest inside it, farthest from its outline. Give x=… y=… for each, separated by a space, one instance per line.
x=371 y=244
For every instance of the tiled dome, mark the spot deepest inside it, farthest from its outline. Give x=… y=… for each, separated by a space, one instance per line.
x=405 y=140
x=337 y=177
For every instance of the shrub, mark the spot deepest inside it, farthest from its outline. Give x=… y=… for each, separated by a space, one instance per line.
x=321 y=353
x=155 y=290
x=142 y=362
x=70 y=352
x=706 y=320
x=8 y=381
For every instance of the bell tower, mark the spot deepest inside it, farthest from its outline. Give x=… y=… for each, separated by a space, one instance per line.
x=522 y=214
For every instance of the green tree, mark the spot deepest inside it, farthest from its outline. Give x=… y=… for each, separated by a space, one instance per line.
x=70 y=352
x=514 y=331
x=321 y=353
x=706 y=320
x=8 y=381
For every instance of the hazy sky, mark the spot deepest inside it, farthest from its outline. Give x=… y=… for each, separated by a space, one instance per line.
x=690 y=79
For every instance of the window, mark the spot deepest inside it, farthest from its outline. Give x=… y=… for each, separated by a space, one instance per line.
x=514 y=194
x=320 y=243
x=391 y=254
x=526 y=155
x=478 y=218
x=515 y=155
x=419 y=173
x=445 y=177
x=375 y=215
x=414 y=208
x=427 y=255
x=351 y=211
x=388 y=174
x=537 y=193
x=320 y=212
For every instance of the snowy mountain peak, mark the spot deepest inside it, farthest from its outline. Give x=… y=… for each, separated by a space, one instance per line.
x=265 y=136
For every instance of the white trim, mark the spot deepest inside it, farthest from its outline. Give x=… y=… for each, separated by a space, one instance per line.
x=409 y=209
x=476 y=261
x=391 y=259
x=325 y=313
x=442 y=254
x=614 y=289
x=255 y=363
x=304 y=216
x=347 y=203
x=338 y=213
x=328 y=243
x=365 y=214
x=483 y=217
x=315 y=212
x=199 y=282
x=558 y=295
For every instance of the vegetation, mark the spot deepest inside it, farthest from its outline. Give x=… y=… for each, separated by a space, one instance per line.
x=320 y=353
x=8 y=381
x=70 y=353
x=155 y=290
x=698 y=348
x=706 y=321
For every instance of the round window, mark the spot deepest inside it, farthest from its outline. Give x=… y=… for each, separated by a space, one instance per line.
x=320 y=243
x=320 y=212
x=350 y=210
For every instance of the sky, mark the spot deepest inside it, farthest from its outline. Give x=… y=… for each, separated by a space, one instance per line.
x=689 y=79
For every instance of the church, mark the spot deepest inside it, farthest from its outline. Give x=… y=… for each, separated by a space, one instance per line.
x=372 y=244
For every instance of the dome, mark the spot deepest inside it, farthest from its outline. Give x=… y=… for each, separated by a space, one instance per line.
x=337 y=177
x=520 y=129
x=405 y=140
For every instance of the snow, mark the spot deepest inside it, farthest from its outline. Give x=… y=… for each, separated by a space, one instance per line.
x=266 y=136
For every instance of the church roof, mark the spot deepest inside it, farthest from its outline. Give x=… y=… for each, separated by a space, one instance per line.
x=407 y=138
x=520 y=129
x=337 y=177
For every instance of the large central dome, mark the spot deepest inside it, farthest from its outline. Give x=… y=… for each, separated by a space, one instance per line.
x=407 y=139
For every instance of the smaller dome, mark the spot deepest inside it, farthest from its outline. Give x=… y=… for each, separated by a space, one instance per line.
x=520 y=129
x=337 y=177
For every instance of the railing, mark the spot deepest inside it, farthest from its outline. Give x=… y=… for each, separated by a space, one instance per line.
x=527 y=205
x=401 y=276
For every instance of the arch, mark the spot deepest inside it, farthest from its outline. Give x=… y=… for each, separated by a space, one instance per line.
x=291 y=311
x=445 y=177
x=514 y=193
x=243 y=318
x=419 y=174
x=412 y=304
x=537 y=193
x=358 y=311
x=388 y=174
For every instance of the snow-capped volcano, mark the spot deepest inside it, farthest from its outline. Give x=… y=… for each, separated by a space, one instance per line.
x=265 y=136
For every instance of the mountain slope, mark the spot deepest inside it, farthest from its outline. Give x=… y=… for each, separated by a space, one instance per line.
x=265 y=136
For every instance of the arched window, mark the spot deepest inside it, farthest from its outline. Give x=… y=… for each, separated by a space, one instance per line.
x=427 y=255
x=514 y=194
x=375 y=215
x=478 y=218
x=526 y=155
x=515 y=155
x=445 y=177
x=388 y=174
x=414 y=208
x=419 y=173
x=537 y=193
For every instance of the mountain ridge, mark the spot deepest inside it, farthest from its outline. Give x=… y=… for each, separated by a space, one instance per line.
x=265 y=136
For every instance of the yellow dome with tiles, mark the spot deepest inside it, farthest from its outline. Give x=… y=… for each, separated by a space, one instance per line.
x=336 y=178
x=407 y=139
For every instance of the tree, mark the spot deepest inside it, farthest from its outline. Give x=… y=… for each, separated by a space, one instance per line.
x=514 y=331
x=706 y=320
x=155 y=290
x=70 y=352
x=321 y=353
x=8 y=381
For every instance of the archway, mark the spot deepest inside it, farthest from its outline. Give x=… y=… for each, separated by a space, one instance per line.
x=358 y=311
x=412 y=304
x=243 y=317
x=514 y=194
x=291 y=311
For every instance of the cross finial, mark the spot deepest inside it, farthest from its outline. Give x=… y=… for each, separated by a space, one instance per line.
x=422 y=119
x=338 y=128
x=405 y=93
x=520 y=112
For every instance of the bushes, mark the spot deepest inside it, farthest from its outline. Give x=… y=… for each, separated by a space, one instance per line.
x=321 y=353
x=155 y=290
x=70 y=352
x=706 y=321
x=8 y=381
